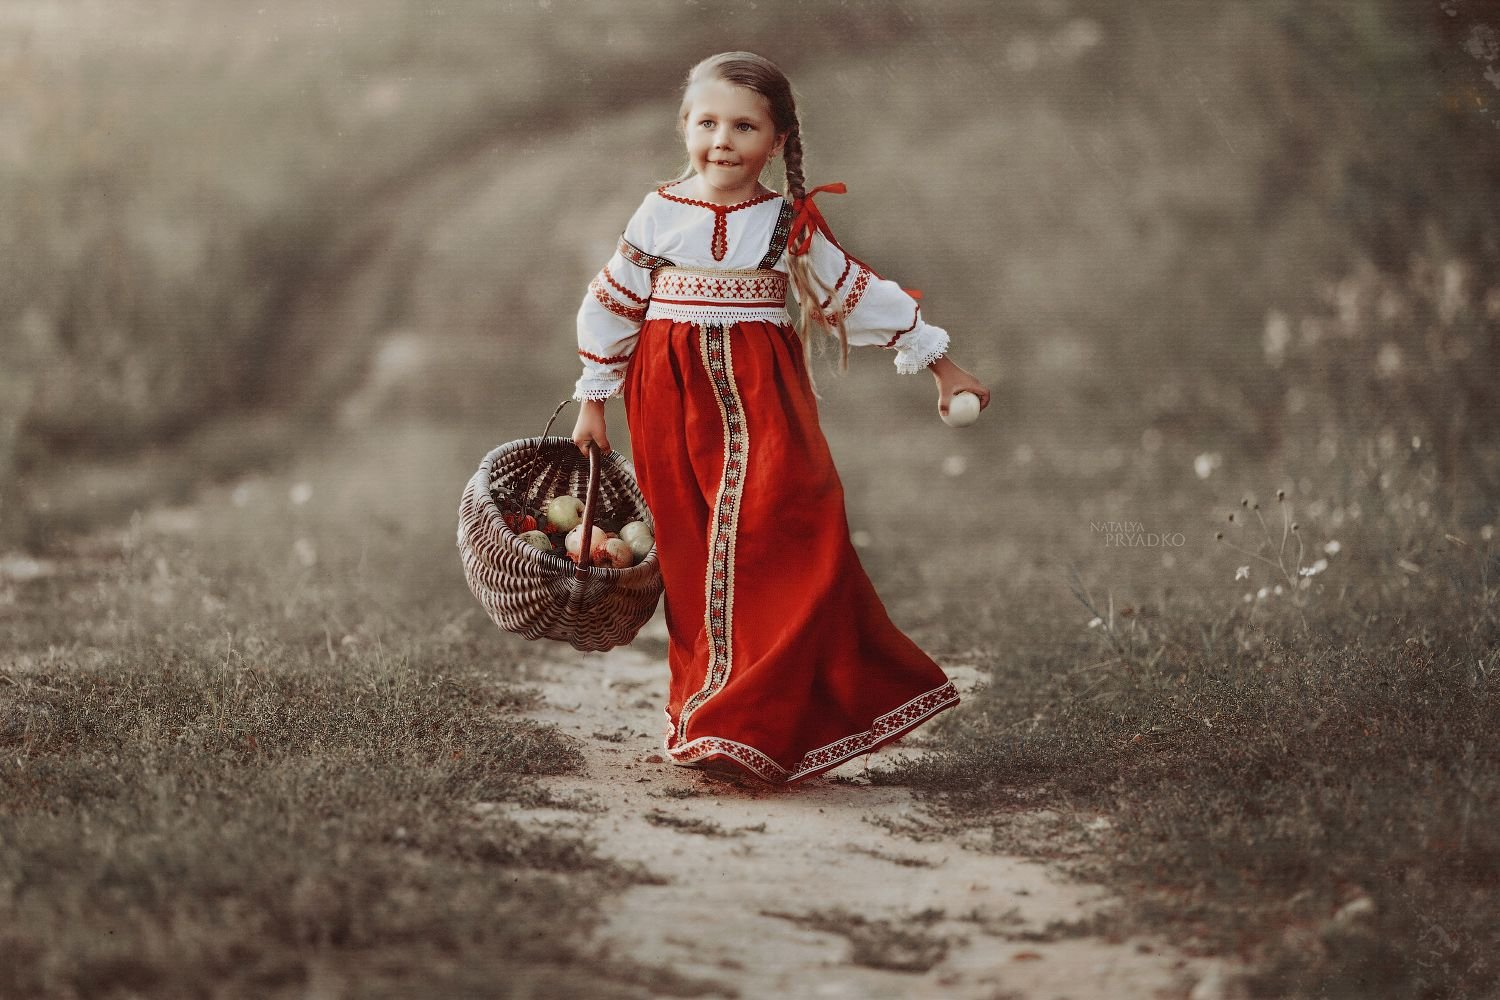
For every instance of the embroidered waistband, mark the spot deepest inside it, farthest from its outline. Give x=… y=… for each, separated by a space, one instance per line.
x=695 y=296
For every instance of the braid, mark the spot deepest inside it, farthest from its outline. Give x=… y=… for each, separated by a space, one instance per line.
x=811 y=291
x=791 y=158
x=746 y=69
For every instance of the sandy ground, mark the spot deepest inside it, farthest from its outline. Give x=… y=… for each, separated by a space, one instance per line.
x=749 y=867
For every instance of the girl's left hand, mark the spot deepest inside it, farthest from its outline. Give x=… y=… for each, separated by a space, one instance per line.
x=951 y=379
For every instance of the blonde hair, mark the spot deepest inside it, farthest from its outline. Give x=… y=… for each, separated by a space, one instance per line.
x=761 y=75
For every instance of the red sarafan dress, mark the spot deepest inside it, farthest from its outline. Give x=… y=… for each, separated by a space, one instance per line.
x=783 y=658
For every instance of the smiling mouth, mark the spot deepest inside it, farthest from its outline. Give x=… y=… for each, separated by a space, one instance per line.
x=723 y=163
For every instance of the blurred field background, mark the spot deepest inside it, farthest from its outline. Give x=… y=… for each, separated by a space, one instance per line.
x=1200 y=253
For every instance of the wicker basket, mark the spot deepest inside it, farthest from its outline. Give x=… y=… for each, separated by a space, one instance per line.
x=542 y=595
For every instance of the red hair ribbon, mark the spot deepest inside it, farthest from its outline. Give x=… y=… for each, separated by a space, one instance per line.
x=807 y=220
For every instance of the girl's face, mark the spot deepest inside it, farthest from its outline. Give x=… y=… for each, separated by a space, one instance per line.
x=730 y=139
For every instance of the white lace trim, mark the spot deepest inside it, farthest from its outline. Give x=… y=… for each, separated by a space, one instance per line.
x=920 y=348
x=596 y=387
x=724 y=314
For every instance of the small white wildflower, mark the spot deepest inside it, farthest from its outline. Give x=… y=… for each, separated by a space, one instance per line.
x=301 y=493
x=954 y=465
x=1095 y=622
x=1205 y=464
x=1249 y=597
x=1487 y=532
x=1277 y=590
x=1333 y=548
x=1263 y=593
x=1242 y=573
x=861 y=539
x=1314 y=569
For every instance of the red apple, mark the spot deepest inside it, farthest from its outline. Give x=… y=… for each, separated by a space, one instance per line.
x=616 y=552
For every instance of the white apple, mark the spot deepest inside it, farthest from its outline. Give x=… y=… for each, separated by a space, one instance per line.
x=574 y=541
x=640 y=543
x=634 y=528
x=537 y=538
x=963 y=409
x=564 y=512
x=617 y=553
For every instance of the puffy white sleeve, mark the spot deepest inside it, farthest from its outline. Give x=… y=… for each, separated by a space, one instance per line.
x=609 y=320
x=877 y=312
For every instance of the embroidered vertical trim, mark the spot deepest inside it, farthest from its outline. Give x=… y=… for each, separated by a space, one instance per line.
x=713 y=344
x=779 y=236
x=857 y=290
x=851 y=298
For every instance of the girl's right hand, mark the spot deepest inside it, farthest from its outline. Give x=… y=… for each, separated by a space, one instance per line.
x=590 y=426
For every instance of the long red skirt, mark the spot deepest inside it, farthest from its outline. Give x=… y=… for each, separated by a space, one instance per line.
x=783 y=658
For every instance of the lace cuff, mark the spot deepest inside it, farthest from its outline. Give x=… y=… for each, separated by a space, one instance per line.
x=920 y=348
x=598 y=387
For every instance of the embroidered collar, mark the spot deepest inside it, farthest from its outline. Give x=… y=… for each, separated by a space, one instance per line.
x=719 y=245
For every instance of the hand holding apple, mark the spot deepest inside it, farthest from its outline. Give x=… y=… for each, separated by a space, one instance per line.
x=963 y=409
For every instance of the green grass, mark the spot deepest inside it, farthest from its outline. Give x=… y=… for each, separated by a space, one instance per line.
x=1261 y=764
x=269 y=746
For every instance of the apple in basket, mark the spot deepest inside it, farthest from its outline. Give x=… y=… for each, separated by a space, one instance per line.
x=537 y=538
x=564 y=512
x=637 y=534
x=633 y=528
x=574 y=543
x=520 y=523
x=616 y=552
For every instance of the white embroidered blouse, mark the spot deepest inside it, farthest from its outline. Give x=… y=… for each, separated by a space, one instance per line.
x=663 y=267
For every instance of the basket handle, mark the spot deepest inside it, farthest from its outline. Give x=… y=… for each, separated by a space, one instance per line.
x=554 y=416
x=589 y=503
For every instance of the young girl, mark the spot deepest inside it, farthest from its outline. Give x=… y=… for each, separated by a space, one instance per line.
x=783 y=660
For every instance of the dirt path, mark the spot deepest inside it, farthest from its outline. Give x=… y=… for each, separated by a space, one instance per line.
x=814 y=891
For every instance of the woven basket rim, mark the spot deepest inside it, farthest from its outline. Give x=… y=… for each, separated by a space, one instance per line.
x=479 y=483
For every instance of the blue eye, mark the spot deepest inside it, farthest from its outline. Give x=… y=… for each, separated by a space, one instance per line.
x=747 y=126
